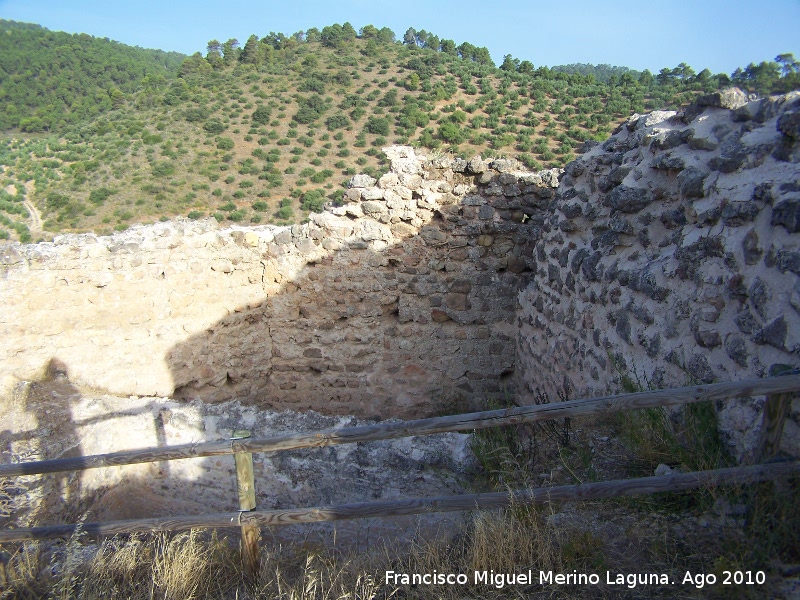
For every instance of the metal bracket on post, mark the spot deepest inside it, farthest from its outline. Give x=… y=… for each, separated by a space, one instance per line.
x=245 y=485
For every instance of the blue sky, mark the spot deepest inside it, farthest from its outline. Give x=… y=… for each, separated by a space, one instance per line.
x=718 y=34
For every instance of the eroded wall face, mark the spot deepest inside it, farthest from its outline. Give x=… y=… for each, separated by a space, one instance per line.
x=671 y=257
x=400 y=303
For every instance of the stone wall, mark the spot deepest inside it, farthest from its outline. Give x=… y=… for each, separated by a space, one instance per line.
x=671 y=256
x=399 y=303
x=668 y=254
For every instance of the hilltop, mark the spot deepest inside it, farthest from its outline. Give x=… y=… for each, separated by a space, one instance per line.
x=270 y=131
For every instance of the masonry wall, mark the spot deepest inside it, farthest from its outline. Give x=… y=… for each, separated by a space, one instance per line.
x=400 y=303
x=668 y=254
x=671 y=256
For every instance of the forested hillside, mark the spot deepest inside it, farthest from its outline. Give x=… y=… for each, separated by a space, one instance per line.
x=49 y=79
x=272 y=129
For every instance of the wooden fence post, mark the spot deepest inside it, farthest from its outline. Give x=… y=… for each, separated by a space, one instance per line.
x=776 y=409
x=245 y=485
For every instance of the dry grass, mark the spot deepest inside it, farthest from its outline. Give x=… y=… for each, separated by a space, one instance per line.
x=577 y=537
x=702 y=531
x=196 y=565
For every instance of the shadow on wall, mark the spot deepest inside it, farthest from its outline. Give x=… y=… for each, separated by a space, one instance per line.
x=50 y=418
x=361 y=314
x=39 y=425
x=54 y=420
x=420 y=328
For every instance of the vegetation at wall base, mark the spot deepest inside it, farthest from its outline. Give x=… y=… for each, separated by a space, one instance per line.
x=270 y=131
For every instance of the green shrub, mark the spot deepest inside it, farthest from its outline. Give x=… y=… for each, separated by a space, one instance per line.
x=163 y=169
x=321 y=176
x=313 y=200
x=212 y=126
x=337 y=121
x=100 y=195
x=261 y=115
x=377 y=125
x=285 y=213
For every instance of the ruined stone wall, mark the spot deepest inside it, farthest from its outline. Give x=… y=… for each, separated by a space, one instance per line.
x=671 y=256
x=399 y=303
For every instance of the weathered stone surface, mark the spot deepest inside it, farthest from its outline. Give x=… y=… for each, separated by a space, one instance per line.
x=739 y=213
x=746 y=322
x=702 y=143
x=439 y=316
x=283 y=237
x=374 y=208
x=670 y=139
x=458 y=301
x=372 y=193
x=699 y=369
x=744 y=113
x=773 y=334
x=707 y=338
x=673 y=218
x=704 y=284
x=485 y=212
x=433 y=235
x=504 y=165
x=477 y=165
x=788 y=260
x=437 y=287
x=750 y=248
x=667 y=162
x=759 y=296
x=691 y=182
x=728 y=98
x=732 y=155
x=361 y=181
x=617 y=174
x=388 y=180
x=787 y=213
x=736 y=349
x=789 y=124
x=629 y=200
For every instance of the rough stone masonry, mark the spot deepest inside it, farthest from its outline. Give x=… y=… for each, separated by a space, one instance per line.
x=669 y=253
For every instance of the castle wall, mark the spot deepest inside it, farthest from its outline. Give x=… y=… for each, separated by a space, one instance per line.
x=671 y=257
x=400 y=303
x=668 y=255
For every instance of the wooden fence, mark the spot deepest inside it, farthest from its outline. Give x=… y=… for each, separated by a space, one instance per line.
x=777 y=389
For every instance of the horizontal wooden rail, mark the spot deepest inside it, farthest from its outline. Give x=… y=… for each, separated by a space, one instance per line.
x=392 y=508
x=384 y=431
